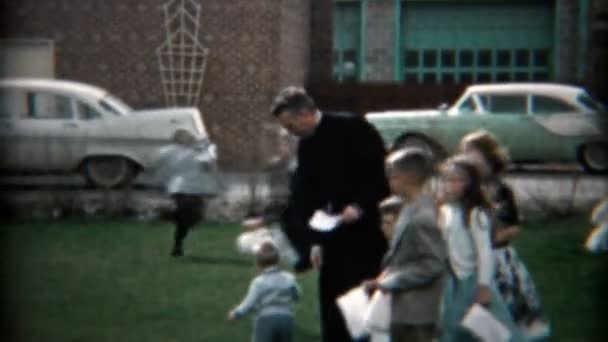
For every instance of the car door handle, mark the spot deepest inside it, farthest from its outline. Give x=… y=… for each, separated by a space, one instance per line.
x=70 y=125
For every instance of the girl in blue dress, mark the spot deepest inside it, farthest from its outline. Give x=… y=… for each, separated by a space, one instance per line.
x=513 y=279
x=466 y=225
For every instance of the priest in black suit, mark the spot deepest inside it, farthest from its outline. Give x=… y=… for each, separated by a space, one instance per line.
x=340 y=170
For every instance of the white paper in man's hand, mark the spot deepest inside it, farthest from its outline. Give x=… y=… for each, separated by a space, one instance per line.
x=483 y=325
x=323 y=222
x=353 y=304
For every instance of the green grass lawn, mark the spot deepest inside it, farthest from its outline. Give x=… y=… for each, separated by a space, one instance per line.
x=112 y=280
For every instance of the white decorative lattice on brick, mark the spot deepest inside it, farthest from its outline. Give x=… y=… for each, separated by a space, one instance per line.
x=181 y=57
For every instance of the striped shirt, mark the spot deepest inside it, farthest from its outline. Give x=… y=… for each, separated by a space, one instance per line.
x=272 y=292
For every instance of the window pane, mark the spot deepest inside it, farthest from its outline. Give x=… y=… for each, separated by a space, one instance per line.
x=589 y=102
x=466 y=78
x=349 y=64
x=447 y=78
x=86 y=112
x=412 y=59
x=485 y=101
x=541 y=57
x=467 y=106
x=521 y=76
x=503 y=58
x=336 y=58
x=411 y=77
x=429 y=78
x=347 y=38
x=549 y=105
x=12 y=103
x=448 y=58
x=484 y=58
x=540 y=76
x=466 y=58
x=347 y=24
x=430 y=58
x=49 y=106
x=503 y=77
x=484 y=77
x=521 y=58
x=507 y=104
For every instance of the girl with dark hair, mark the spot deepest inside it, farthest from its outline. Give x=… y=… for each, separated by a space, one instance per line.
x=466 y=225
x=512 y=277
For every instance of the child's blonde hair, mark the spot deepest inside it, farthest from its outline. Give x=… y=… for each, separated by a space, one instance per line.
x=267 y=255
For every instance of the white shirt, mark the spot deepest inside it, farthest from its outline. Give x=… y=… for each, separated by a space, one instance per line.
x=469 y=248
x=187 y=169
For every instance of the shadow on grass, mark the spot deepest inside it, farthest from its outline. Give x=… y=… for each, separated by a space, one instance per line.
x=216 y=261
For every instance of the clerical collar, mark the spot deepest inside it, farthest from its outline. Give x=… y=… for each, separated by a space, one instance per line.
x=318 y=118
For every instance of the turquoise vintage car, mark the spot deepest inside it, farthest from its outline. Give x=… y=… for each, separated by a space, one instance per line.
x=535 y=122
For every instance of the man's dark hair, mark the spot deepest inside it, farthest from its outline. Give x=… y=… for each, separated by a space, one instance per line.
x=411 y=159
x=293 y=100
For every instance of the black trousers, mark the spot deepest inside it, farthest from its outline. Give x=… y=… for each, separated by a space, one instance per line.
x=336 y=278
x=187 y=214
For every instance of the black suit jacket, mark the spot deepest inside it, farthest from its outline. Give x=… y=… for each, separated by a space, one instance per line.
x=341 y=163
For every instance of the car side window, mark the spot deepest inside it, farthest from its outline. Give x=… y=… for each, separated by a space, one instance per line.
x=589 y=102
x=505 y=103
x=86 y=112
x=548 y=105
x=12 y=103
x=47 y=106
x=467 y=106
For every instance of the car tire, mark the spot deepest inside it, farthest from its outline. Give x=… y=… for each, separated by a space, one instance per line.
x=422 y=143
x=594 y=158
x=109 y=172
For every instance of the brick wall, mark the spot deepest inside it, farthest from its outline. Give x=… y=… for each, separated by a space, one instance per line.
x=111 y=43
x=321 y=31
x=380 y=47
x=566 y=70
x=295 y=42
x=598 y=54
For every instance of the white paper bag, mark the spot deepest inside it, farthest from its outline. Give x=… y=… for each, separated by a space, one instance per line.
x=483 y=325
x=379 y=337
x=353 y=304
x=378 y=314
x=323 y=222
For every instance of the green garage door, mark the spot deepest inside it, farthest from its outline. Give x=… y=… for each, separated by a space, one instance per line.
x=475 y=42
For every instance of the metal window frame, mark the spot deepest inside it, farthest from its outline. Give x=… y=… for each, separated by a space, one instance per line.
x=361 y=53
x=493 y=69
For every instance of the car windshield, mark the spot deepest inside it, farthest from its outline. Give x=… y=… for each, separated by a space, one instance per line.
x=589 y=102
x=115 y=105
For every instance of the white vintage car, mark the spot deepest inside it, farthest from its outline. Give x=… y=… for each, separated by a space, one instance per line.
x=49 y=126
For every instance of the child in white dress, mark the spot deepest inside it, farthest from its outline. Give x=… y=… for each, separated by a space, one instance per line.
x=465 y=223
